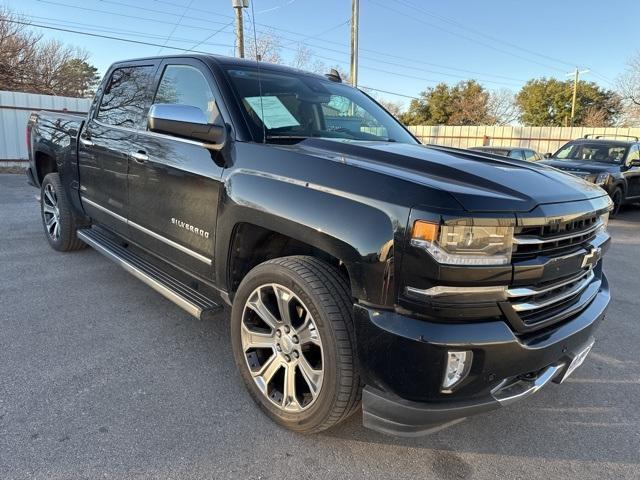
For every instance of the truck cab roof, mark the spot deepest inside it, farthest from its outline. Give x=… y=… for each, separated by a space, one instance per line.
x=222 y=60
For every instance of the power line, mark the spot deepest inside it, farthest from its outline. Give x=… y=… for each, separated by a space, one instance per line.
x=422 y=62
x=388 y=92
x=373 y=52
x=46 y=21
x=323 y=32
x=212 y=35
x=323 y=57
x=124 y=15
x=108 y=37
x=138 y=42
x=165 y=12
x=304 y=35
x=224 y=25
x=473 y=40
x=602 y=77
x=186 y=9
x=467 y=28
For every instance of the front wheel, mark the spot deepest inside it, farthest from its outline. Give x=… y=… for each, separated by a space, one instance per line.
x=293 y=342
x=617 y=199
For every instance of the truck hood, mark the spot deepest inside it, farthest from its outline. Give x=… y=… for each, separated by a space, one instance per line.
x=581 y=166
x=479 y=183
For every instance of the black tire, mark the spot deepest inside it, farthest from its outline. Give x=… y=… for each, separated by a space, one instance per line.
x=326 y=297
x=58 y=211
x=617 y=197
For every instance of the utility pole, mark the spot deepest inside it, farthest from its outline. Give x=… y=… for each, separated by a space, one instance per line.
x=576 y=76
x=238 y=5
x=355 y=12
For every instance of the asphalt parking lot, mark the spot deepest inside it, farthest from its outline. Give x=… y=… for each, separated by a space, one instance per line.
x=101 y=377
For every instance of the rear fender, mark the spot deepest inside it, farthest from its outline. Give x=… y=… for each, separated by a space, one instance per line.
x=60 y=143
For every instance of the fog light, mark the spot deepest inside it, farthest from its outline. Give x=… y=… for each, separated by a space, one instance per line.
x=458 y=365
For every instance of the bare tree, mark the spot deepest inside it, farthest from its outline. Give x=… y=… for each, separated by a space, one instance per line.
x=394 y=108
x=302 y=57
x=266 y=48
x=595 y=117
x=28 y=64
x=18 y=52
x=628 y=86
x=502 y=107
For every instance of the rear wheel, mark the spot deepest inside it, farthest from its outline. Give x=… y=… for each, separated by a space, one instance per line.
x=617 y=199
x=59 y=223
x=293 y=342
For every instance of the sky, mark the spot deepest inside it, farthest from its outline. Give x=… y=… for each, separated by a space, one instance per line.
x=405 y=45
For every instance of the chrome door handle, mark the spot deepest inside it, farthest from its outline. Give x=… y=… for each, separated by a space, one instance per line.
x=139 y=157
x=86 y=142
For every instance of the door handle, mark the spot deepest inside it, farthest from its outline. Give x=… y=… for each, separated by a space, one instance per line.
x=139 y=157
x=86 y=142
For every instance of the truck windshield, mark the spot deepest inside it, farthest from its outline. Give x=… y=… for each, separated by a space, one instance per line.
x=292 y=107
x=594 y=152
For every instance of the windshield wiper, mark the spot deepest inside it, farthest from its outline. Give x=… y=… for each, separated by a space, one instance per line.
x=287 y=137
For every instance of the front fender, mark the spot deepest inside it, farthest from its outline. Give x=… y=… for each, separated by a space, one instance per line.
x=362 y=235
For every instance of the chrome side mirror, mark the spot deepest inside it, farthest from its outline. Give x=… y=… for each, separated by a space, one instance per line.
x=186 y=121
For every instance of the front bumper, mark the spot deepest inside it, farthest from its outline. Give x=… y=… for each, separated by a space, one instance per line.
x=402 y=362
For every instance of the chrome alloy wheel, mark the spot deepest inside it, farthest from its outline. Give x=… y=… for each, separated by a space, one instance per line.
x=282 y=347
x=51 y=212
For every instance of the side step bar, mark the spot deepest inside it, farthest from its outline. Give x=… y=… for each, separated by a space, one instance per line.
x=179 y=293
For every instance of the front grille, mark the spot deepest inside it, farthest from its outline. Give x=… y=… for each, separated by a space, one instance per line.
x=545 y=303
x=533 y=307
x=555 y=238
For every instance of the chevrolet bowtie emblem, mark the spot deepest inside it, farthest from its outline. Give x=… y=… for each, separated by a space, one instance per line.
x=591 y=259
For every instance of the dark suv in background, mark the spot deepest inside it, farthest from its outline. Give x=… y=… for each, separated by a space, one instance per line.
x=611 y=163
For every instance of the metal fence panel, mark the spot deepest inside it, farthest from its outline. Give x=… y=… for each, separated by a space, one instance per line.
x=15 y=108
x=541 y=139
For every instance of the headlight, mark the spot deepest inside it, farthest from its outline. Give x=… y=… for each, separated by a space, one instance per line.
x=601 y=178
x=604 y=221
x=464 y=244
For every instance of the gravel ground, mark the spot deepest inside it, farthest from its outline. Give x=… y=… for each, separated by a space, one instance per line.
x=101 y=377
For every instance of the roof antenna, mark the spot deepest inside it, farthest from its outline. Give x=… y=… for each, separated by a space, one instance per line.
x=255 y=47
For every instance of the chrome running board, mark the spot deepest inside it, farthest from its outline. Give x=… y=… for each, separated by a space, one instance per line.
x=171 y=288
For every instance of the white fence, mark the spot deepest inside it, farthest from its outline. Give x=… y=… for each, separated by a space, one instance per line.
x=541 y=139
x=15 y=108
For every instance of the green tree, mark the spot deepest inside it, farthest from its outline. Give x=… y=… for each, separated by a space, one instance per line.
x=547 y=102
x=470 y=105
x=466 y=103
x=77 y=78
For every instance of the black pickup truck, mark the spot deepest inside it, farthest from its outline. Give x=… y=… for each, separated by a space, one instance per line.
x=425 y=283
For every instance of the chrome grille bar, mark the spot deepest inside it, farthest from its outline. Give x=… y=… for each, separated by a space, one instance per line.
x=528 y=291
x=534 y=240
x=533 y=304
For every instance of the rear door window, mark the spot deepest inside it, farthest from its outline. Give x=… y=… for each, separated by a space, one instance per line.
x=126 y=97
